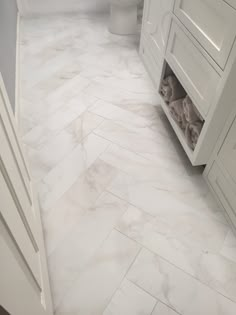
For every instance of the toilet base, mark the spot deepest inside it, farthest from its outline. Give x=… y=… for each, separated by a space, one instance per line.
x=123 y=20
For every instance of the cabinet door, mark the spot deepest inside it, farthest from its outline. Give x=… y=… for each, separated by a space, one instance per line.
x=224 y=190
x=212 y=23
x=156 y=25
x=195 y=73
x=227 y=154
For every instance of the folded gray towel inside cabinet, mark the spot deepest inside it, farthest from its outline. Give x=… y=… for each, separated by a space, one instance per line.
x=190 y=111
x=177 y=112
x=192 y=133
x=171 y=89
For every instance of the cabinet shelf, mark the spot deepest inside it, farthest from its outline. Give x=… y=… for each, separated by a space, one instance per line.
x=191 y=153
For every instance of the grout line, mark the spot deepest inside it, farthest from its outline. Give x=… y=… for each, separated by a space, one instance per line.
x=183 y=173
x=130 y=203
x=157 y=302
x=50 y=114
x=177 y=267
x=86 y=209
x=76 y=277
x=124 y=277
x=80 y=175
x=205 y=216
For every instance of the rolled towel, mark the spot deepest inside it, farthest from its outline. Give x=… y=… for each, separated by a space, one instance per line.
x=192 y=133
x=166 y=91
x=171 y=89
x=190 y=111
x=177 y=112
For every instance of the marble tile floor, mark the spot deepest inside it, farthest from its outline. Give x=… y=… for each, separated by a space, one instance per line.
x=130 y=227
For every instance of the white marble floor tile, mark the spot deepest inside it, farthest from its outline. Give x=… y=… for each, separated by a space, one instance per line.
x=130 y=299
x=166 y=174
x=58 y=145
x=138 y=139
x=117 y=114
x=42 y=73
x=162 y=309
x=188 y=241
x=118 y=96
x=57 y=121
x=71 y=206
x=63 y=176
x=100 y=277
x=154 y=200
x=68 y=91
x=173 y=287
x=80 y=244
x=112 y=179
x=44 y=88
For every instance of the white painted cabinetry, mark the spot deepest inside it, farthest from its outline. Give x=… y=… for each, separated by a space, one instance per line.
x=187 y=61
x=220 y=172
x=213 y=24
x=155 y=30
x=156 y=25
x=195 y=41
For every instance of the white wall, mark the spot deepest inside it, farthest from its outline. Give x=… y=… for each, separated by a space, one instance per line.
x=54 y=6
x=8 y=22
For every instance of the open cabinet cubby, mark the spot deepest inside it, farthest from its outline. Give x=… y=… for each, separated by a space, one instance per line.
x=187 y=124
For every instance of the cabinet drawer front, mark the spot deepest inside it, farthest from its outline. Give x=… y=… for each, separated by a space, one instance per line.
x=212 y=23
x=224 y=190
x=197 y=76
x=231 y=2
x=156 y=24
x=227 y=154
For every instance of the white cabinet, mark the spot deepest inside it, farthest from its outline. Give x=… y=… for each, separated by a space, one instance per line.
x=155 y=29
x=156 y=24
x=212 y=23
x=195 y=73
x=220 y=172
x=223 y=190
x=195 y=41
x=227 y=154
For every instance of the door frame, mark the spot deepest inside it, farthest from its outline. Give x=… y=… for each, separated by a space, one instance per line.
x=13 y=138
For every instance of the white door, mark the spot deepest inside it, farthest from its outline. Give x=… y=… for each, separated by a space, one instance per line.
x=24 y=284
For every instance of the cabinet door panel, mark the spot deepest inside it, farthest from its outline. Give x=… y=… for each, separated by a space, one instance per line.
x=156 y=25
x=227 y=154
x=212 y=23
x=197 y=76
x=224 y=190
x=152 y=67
